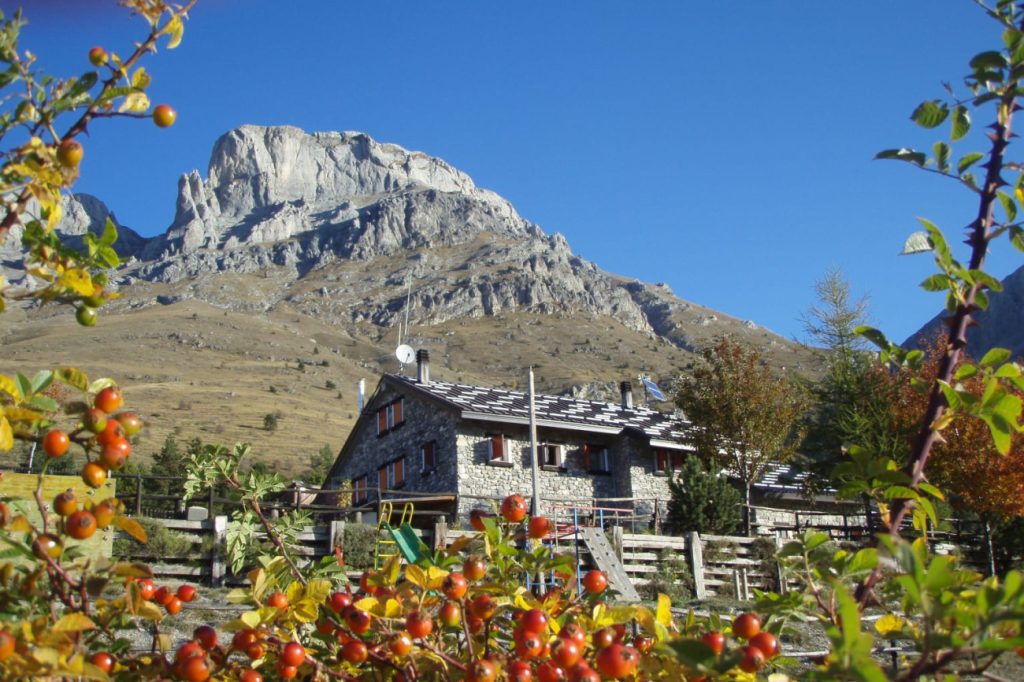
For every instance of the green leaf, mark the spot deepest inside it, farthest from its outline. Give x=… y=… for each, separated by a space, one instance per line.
x=941 y=151
x=926 y=487
x=864 y=560
x=982 y=277
x=109 y=235
x=930 y=114
x=965 y=371
x=42 y=380
x=44 y=403
x=937 y=282
x=24 y=385
x=996 y=356
x=961 y=125
x=942 y=253
x=873 y=335
x=1008 y=371
x=986 y=61
x=968 y=160
x=1008 y=205
x=1017 y=238
x=73 y=377
x=917 y=242
x=903 y=154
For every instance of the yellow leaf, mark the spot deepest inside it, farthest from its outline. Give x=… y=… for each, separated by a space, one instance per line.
x=238 y=596
x=150 y=611
x=100 y=384
x=132 y=569
x=293 y=592
x=392 y=609
x=132 y=527
x=458 y=545
x=141 y=79
x=317 y=590
x=416 y=576
x=19 y=525
x=73 y=377
x=435 y=577
x=53 y=216
x=135 y=102
x=73 y=622
x=664 y=612
x=163 y=642
x=45 y=655
x=175 y=28
x=890 y=624
x=251 y=619
x=6 y=434
x=18 y=414
x=391 y=570
x=8 y=386
x=78 y=280
x=368 y=604
x=306 y=610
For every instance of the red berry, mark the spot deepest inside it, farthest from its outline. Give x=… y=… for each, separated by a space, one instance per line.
x=513 y=508
x=715 y=640
x=746 y=625
x=109 y=399
x=164 y=116
x=103 y=661
x=617 y=661
x=186 y=592
x=539 y=527
x=56 y=443
x=767 y=643
x=354 y=651
x=595 y=582
x=205 y=635
x=293 y=654
x=753 y=659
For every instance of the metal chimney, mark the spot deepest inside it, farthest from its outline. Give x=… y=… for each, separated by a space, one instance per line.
x=422 y=366
x=626 y=388
x=362 y=394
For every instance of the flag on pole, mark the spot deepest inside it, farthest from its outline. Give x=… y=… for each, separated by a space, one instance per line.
x=653 y=390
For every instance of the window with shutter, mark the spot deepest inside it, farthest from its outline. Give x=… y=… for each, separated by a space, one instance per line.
x=382 y=478
x=550 y=454
x=586 y=456
x=359 y=490
x=428 y=458
x=382 y=420
x=399 y=473
x=597 y=458
x=398 y=412
x=661 y=461
x=497 y=447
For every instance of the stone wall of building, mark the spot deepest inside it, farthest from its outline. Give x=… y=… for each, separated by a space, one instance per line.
x=422 y=422
x=567 y=485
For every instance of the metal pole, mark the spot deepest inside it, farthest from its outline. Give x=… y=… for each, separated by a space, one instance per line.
x=533 y=451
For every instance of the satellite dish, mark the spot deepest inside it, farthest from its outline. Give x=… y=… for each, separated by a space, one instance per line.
x=405 y=354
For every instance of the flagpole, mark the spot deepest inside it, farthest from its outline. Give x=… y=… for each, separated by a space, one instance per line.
x=533 y=451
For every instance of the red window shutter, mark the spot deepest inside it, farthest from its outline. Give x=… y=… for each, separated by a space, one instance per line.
x=400 y=472
x=398 y=412
x=586 y=456
x=677 y=461
x=382 y=478
x=497 y=447
x=661 y=462
x=382 y=420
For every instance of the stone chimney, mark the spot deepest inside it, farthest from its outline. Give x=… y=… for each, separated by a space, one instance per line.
x=626 y=389
x=422 y=366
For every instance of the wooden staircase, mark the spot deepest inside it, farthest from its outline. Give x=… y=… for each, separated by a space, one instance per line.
x=605 y=559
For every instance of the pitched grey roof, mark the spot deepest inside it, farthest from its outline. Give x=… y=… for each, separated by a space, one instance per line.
x=479 y=402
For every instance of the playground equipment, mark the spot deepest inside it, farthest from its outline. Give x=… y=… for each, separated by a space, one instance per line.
x=393 y=541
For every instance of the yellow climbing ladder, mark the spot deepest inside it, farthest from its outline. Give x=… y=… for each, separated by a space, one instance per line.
x=386 y=546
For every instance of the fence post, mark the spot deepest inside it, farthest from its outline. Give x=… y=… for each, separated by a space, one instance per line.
x=138 y=494
x=657 y=516
x=336 y=537
x=617 y=541
x=779 y=575
x=210 y=504
x=440 y=534
x=696 y=564
x=217 y=571
x=744 y=583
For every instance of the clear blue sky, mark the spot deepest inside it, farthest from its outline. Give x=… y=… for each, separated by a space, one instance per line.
x=722 y=147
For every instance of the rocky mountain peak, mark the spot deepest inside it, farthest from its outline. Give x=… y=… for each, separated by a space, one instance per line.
x=269 y=184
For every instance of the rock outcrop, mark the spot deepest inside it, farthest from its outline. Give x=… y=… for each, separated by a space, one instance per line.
x=353 y=229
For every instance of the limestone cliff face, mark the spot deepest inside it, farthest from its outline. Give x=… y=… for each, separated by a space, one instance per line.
x=353 y=228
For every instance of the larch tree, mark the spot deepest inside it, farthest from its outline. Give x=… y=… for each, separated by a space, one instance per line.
x=745 y=417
